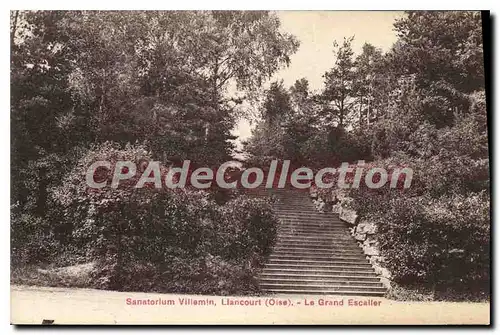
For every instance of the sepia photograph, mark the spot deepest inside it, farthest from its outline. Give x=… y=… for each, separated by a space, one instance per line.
x=250 y=167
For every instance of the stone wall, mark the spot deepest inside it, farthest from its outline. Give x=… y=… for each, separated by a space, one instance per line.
x=363 y=231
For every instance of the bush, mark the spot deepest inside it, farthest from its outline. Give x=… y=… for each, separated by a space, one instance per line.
x=410 y=293
x=179 y=240
x=439 y=243
x=31 y=239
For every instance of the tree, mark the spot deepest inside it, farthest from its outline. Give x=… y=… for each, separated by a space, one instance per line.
x=368 y=74
x=301 y=96
x=269 y=138
x=179 y=65
x=340 y=83
x=41 y=100
x=443 y=50
x=157 y=77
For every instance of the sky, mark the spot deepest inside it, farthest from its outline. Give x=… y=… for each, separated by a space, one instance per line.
x=316 y=31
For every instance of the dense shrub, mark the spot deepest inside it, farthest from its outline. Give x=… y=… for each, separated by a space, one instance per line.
x=436 y=233
x=160 y=239
x=441 y=243
x=31 y=238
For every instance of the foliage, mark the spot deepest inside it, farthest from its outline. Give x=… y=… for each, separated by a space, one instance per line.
x=339 y=84
x=31 y=239
x=149 y=238
x=86 y=84
x=160 y=77
x=413 y=106
x=427 y=237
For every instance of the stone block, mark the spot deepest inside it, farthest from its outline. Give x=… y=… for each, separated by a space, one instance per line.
x=336 y=208
x=386 y=282
x=359 y=237
x=371 y=251
x=367 y=227
x=348 y=215
x=381 y=271
x=347 y=202
x=376 y=259
x=370 y=241
x=339 y=194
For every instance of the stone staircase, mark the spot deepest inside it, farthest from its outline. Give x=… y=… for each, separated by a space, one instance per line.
x=314 y=252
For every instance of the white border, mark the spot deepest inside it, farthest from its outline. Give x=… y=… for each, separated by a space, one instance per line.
x=254 y=4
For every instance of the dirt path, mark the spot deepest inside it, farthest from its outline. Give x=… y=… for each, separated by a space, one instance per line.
x=31 y=305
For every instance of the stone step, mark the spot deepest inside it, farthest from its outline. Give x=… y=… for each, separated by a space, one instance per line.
x=290 y=198
x=279 y=254
x=315 y=231
x=310 y=226
x=330 y=233
x=341 y=270
x=311 y=239
x=290 y=191
x=286 y=204
x=304 y=211
x=339 y=238
x=325 y=246
x=362 y=263
x=314 y=242
x=327 y=234
x=319 y=282
x=318 y=265
x=306 y=215
x=294 y=208
x=276 y=276
x=289 y=203
x=311 y=222
x=311 y=257
x=357 y=274
x=318 y=287
x=314 y=246
x=312 y=249
x=299 y=208
x=373 y=293
x=309 y=246
x=319 y=228
x=331 y=252
x=312 y=233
